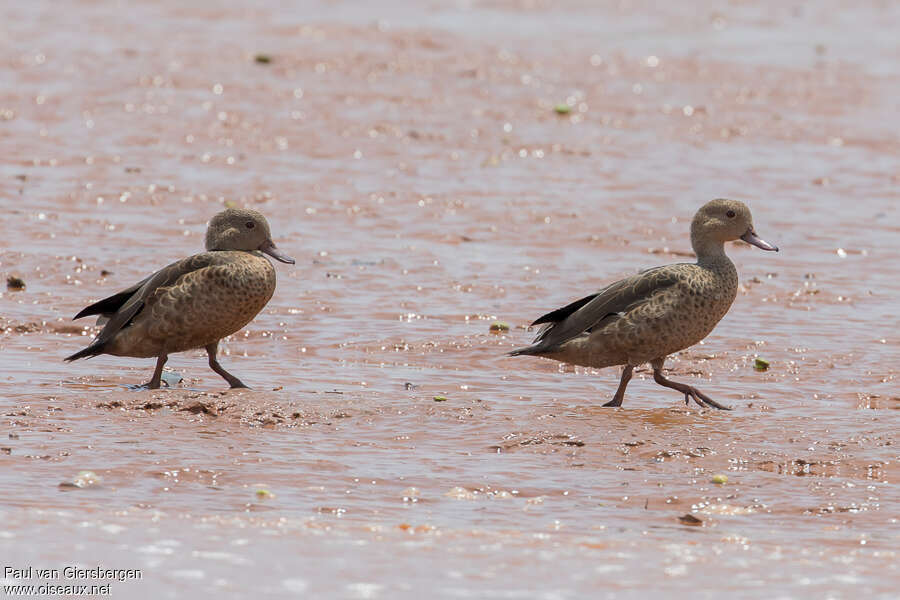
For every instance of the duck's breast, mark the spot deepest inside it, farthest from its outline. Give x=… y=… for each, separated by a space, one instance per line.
x=693 y=309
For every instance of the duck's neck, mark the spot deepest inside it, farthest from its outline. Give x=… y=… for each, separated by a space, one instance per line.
x=709 y=253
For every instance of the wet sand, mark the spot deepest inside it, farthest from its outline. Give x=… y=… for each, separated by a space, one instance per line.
x=411 y=159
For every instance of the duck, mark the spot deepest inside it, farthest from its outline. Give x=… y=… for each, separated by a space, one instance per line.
x=648 y=316
x=194 y=302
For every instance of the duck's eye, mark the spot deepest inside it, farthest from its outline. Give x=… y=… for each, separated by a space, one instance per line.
x=250 y=224
x=729 y=214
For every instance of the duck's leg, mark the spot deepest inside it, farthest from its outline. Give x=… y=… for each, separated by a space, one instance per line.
x=623 y=383
x=233 y=381
x=689 y=391
x=153 y=384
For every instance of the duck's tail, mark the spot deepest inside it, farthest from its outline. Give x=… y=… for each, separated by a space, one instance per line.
x=535 y=350
x=94 y=349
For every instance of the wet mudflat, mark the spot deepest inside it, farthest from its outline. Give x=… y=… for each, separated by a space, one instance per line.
x=414 y=160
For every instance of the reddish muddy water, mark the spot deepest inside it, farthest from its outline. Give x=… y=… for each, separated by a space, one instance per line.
x=410 y=157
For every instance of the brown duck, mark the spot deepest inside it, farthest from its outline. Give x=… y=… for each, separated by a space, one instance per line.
x=195 y=302
x=648 y=316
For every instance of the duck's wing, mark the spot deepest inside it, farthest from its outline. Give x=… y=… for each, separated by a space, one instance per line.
x=581 y=316
x=128 y=303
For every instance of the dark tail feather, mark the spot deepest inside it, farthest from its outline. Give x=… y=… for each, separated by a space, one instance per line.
x=94 y=349
x=560 y=314
x=107 y=306
x=527 y=351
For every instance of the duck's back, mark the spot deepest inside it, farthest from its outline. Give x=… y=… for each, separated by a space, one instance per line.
x=200 y=307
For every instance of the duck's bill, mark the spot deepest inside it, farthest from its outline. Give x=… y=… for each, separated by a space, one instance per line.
x=269 y=248
x=751 y=238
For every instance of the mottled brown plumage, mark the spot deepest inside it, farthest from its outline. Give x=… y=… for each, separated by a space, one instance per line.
x=648 y=316
x=194 y=302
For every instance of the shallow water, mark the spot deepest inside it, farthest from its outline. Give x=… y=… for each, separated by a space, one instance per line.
x=410 y=158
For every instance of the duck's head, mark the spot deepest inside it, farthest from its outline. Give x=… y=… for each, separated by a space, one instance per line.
x=242 y=229
x=720 y=221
